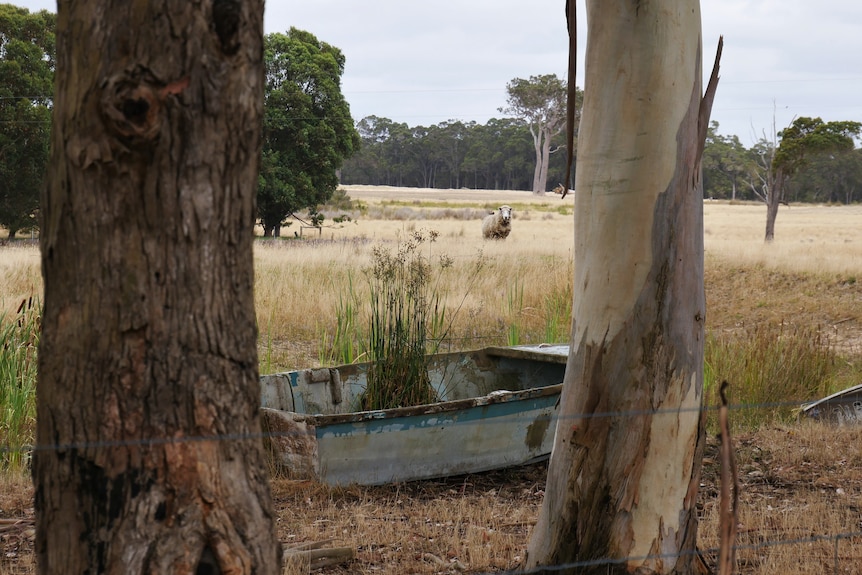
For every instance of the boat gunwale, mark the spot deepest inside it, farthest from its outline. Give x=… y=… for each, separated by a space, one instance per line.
x=502 y=396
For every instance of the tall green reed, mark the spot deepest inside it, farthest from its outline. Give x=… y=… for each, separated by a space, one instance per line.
x=344 y=345
x=19 y=342
x=406 y=307
x=558 y=316
x=514 y=308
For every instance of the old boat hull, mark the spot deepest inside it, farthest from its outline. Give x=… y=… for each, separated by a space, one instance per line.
x=843 y=408
x=498 y=409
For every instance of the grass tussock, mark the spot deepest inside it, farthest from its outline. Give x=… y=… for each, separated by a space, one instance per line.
x=20 y=273
x=771 y=368
x=19 y=341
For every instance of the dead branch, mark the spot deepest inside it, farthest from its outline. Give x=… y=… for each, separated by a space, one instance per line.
x=455 y=565
x=316 y=556
x=7 y=525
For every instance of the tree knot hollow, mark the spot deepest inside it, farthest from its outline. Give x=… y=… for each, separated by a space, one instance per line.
x=226 y=19
x=132 y=103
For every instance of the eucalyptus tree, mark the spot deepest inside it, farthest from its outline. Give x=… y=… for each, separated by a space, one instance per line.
x=425 y=155
x=832 y=177
x=541 y=102
x=149 y=457
x=726 y=163
x=308 y=130
x=27 y=72
x=804 y=136
x=381 y=157
x=622 y=482
x=454 y=140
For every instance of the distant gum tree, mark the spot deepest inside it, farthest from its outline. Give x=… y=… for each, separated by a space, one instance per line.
x=623 y=478
x=804 y=137
x=541 y=102
x=726 y=163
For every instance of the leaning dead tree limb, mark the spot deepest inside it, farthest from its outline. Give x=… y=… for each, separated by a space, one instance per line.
x=316 y=556
x=708 y=98
x=729 y=493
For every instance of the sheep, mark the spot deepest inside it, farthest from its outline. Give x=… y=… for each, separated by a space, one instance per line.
x=497 y=224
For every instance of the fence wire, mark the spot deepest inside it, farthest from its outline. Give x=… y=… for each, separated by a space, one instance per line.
x=834 y=540
x=155 y=441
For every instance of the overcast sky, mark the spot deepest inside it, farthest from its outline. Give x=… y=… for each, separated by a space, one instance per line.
x=423 y=63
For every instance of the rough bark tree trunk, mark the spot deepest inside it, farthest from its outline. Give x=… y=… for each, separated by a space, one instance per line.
x=149 y=457
x=623 y=477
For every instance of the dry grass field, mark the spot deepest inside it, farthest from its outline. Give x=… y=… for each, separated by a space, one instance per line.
x=801 y=481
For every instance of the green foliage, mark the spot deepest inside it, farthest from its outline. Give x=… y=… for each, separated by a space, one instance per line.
x=496 y=155
x=501 y=155
x=19 y=341
x=340 y=201
x=308 y=130
x=823 y=156
x=806 y=136
x=541 y=102
x=26 y=88
x=726 y=164
x=406 y=307
x=771 y=369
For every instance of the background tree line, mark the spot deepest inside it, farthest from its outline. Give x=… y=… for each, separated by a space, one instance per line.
x=497 y=155
x=311 y=143
x=830 y=174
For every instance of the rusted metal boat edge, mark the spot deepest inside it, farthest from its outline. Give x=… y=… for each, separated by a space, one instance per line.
x=842 y=408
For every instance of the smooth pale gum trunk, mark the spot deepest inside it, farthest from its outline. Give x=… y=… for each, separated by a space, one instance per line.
x=623 y=476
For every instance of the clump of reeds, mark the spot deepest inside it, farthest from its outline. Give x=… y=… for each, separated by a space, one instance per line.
x=19 y=340
x=406 y=308
x=772 y=369
x=342 y=346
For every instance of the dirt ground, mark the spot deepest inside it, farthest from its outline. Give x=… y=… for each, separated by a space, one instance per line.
x=800 y=488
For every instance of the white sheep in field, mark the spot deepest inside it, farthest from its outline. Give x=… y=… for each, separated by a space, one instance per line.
x=498 y=224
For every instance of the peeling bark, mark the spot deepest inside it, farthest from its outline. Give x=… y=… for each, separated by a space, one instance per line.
x=624 y=473
x=148 y=357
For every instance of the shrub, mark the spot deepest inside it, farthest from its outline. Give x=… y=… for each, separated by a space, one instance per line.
x=406 y=307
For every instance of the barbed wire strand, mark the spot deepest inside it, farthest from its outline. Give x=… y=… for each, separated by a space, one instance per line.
x=833 y=539
x=374 y=416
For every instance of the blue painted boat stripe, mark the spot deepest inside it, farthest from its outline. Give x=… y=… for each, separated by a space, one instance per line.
x=504 y=413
